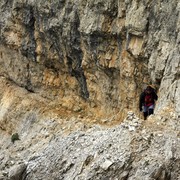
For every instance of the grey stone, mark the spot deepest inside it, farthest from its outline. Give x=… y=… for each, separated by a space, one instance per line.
x=16 y=171
x=57 y=57
x=106 y=164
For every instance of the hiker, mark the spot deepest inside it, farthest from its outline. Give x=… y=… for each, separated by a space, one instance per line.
x=147 y=101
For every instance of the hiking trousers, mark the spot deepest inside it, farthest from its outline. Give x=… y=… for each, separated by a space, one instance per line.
x=148 y=110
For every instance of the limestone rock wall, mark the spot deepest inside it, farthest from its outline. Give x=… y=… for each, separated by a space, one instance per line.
x=100 y=54
x=67 y=67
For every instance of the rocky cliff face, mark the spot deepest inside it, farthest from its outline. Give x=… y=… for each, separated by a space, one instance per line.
x=104 y=52
x=66 y=65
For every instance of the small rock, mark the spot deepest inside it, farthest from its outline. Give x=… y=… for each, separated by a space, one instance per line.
x=124 y=175
x=132 y=128
x=2 y=177
x=106 y=164
x=12 y=163
x=4 y=173
x=15 y=173
x=77 y=109
x=104 y=120
x=130 y=113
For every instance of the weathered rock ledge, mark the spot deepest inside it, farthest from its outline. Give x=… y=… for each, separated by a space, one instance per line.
x=54 y=145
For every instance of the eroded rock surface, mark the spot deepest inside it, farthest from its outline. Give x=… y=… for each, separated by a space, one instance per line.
x=101 y=51
x=134 y=149
x=70 y=70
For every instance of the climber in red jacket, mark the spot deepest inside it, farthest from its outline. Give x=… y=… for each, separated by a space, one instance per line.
x=147 y=101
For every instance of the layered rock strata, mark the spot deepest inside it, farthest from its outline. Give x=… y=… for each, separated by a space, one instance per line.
x=103 y=52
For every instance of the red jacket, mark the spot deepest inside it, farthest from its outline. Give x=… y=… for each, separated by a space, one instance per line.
x=147 y=99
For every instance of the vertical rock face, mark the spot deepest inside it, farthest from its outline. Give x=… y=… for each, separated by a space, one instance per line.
x=104 y=52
